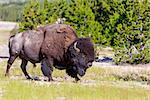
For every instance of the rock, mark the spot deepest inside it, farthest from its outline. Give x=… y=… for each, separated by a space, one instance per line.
x=104 y=59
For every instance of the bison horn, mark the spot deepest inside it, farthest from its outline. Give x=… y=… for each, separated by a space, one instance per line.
x=75 y=47
x=89 y=64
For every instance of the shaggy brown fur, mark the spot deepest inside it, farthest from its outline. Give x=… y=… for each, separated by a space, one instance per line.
x=58 y=37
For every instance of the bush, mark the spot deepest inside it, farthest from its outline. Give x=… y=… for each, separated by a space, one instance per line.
x=133 y=36
x=76 y=12
x=135 y=55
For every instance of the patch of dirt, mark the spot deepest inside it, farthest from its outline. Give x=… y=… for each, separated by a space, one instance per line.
x=7 y=25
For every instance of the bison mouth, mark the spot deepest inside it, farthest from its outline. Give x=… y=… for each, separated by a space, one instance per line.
x=76 y=71
x=80 y=71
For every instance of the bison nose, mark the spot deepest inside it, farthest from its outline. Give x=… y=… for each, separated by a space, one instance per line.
x=81 y=72
x=89 y=64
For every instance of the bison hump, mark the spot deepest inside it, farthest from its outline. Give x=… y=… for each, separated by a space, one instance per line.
x=57 y=39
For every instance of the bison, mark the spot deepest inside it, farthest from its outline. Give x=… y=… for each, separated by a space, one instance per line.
x=54 y=45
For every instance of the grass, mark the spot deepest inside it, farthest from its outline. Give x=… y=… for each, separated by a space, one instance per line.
x=70 y=91
x=97 y=84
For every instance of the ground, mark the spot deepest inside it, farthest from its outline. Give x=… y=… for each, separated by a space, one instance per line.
x=103 y=81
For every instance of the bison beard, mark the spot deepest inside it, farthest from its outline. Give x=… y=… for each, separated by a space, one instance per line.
x=72 y=71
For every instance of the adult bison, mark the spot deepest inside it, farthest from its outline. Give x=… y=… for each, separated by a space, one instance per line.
x=53 y=45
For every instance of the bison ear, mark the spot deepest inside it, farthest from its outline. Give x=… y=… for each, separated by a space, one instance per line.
x=75 y=47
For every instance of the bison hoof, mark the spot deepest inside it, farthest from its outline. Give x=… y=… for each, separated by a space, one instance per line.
x=77 y=79
x=36 y=78
x=6 y=74
x=29 y=78
x=50 y=79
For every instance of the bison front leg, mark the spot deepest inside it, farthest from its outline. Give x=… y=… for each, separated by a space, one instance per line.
x=47 y=69
x=9 y=64
x=23 y=67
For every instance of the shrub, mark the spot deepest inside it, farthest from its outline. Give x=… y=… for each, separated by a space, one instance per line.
x=76 y=12
x=134 y=35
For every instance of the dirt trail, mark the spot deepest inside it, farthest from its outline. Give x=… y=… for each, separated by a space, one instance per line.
x=7 y=25
x=5 y=28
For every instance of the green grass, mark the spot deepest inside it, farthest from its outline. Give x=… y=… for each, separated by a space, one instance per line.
x=18 y=90
x=97 y=84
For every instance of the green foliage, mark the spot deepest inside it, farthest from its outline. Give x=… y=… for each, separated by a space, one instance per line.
x=134 y=34
x=11 y=11
x=123 y=24
x=77 y=13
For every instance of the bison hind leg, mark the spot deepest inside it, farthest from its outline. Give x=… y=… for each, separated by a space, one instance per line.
x=9 y=63
x=73 y=73
x=23 y=67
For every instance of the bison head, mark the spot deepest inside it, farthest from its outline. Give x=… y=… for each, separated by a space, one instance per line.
x=82 y=55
